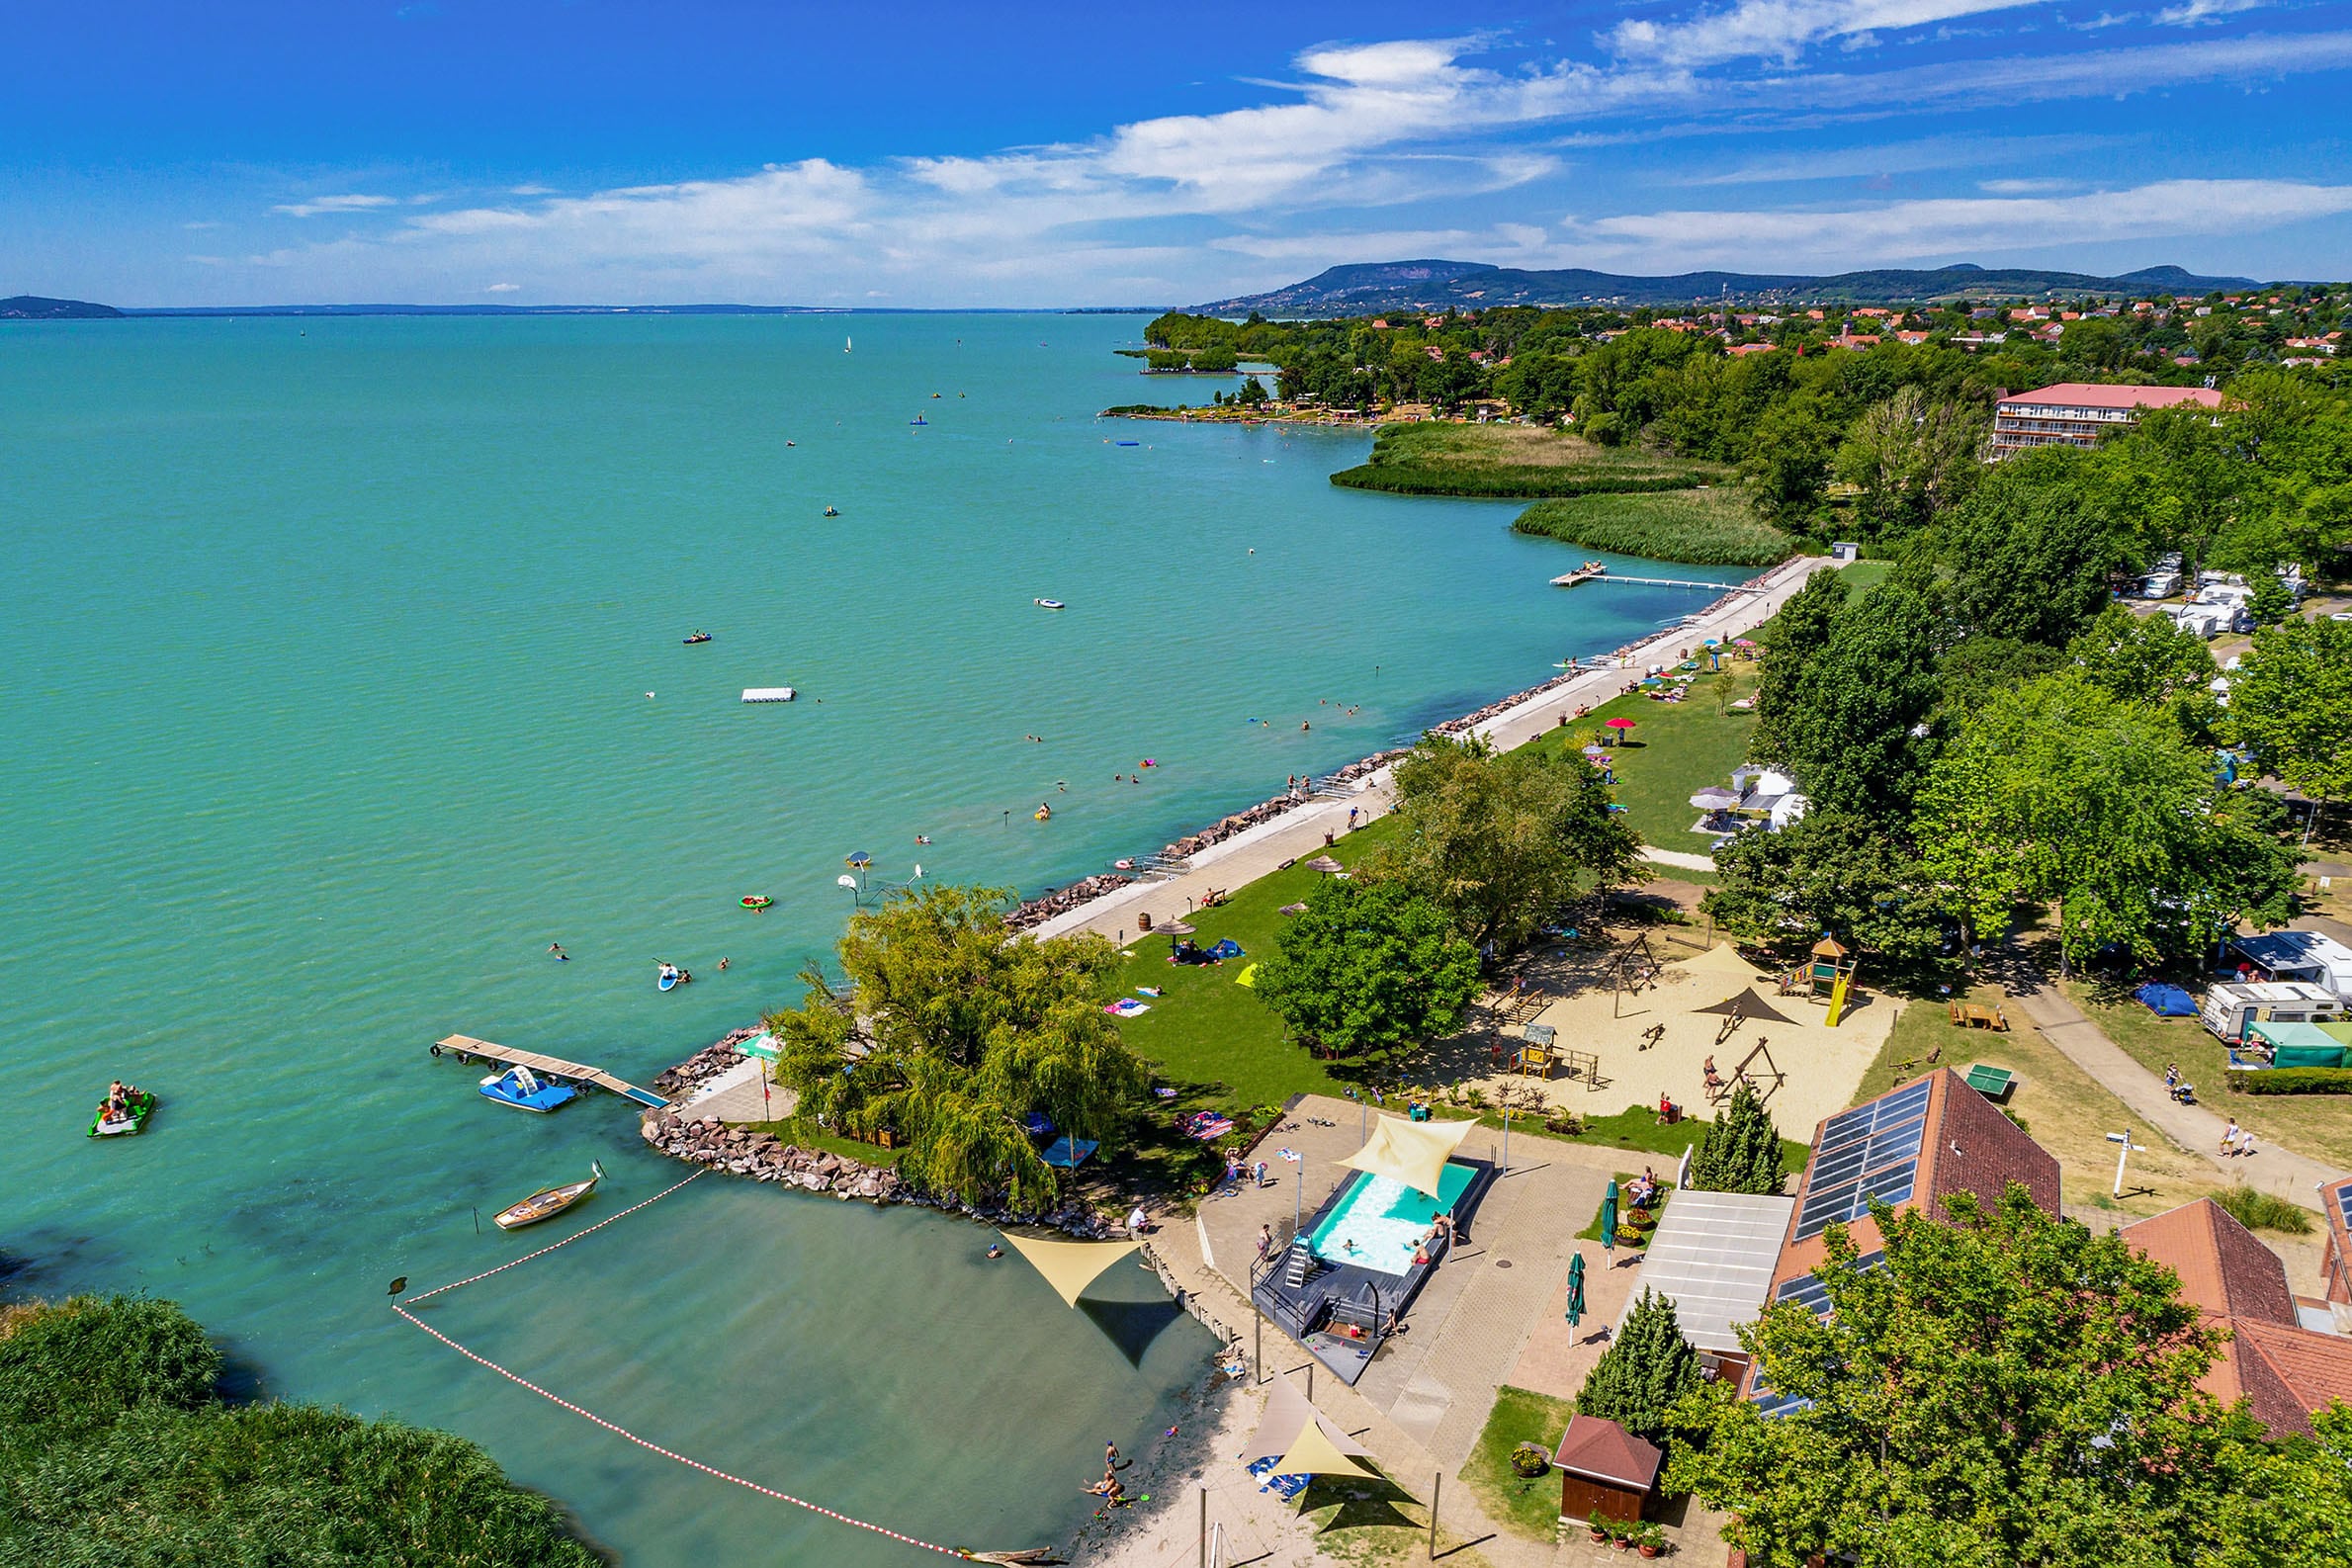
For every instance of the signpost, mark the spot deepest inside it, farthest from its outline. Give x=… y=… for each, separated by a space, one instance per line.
x=2122 y=1153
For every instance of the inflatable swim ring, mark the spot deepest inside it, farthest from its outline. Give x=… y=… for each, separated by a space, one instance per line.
x=1042 y=813
x=756 y=901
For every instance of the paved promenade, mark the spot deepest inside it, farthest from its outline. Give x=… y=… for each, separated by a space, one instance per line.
x=1302 y=832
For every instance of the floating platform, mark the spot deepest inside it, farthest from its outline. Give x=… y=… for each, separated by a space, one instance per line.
x=770 y=694
x=465 y=1048
x=1569 y=579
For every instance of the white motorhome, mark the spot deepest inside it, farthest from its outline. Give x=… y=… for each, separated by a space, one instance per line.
x=2307 y=956
x=2230 y=1008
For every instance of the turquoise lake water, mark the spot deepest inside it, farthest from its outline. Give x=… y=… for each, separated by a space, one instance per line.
x=324 y=663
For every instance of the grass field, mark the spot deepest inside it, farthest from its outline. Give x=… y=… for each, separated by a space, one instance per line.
x=2065 y=1110
x=2319 y=1125
x=1677 y=749
x=1711 y=526
x=1515 y=462
x=1522 y=1507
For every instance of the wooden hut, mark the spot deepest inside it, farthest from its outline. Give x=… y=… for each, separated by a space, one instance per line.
x=1604 y=1469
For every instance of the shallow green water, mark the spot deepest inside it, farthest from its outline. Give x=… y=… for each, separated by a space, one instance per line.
x=323 y=669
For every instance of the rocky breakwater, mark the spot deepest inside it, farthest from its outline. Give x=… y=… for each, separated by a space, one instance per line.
x=763 y=1157
x=676 y=1082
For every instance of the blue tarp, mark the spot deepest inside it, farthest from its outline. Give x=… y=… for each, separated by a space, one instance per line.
x=1058 y=1153
x=2166 y=1001
x=1228 y=948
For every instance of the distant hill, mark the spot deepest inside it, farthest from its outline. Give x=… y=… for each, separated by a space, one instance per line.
x=32 y=307
x=1468 y=285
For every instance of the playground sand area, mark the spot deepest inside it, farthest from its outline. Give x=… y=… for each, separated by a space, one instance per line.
x=1618 y=1045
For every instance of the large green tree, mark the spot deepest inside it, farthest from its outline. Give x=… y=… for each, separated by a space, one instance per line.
x=1850 y=735
x=2030 y=554
x=2056 y=793
x=1502 y=841
x=2005 y=1388
x=2151 y=661
x=1647 y=1369
x=1791 y=640
x=1909 y=459
x=1741 y=1149
x=2292 y=703
x=955 y=1032
x=1368 y=967
x=1830 y=870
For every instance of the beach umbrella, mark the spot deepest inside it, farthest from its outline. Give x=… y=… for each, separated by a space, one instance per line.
x=1576 y=1290
x=1609 y=1217
x=1325 y=864
x=1743 y=641
x=1621 y=724
x=860 y=860
x=1715 y=798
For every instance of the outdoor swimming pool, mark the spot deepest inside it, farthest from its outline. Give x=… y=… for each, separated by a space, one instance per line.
x=1383 y=1217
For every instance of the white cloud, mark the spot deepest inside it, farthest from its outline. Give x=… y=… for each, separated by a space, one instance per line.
x=335 y=203
x=1778 y=29
x=2024 y=186
x=531 y=190
x=502 y=287
x=2201 y=10
x=1856 y=236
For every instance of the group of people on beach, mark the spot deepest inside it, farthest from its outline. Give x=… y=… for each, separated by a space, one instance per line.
x=1110 y=1488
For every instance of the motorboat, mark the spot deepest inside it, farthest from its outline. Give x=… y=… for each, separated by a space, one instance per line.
x=1049 y=604
x=547 y=1202
x=129 y=1119
x=521 y=1088
x=699 y=636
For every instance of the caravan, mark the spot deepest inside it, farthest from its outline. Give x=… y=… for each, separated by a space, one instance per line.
x=2305 y=956
x=2229 y=1010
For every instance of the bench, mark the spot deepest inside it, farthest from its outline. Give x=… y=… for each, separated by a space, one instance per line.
x=1976 y=1015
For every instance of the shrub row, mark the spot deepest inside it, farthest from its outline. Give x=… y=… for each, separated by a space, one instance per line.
x=2294 y=1080
x=1525 y=481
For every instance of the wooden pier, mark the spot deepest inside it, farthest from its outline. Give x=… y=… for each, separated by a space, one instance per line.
x=465 y=1048
x=1569 y=579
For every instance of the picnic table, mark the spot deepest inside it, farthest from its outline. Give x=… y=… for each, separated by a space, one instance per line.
x=1976 y=1015
x=1993 y=1082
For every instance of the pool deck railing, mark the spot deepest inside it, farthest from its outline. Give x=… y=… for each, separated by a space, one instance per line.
x=1347 y=1292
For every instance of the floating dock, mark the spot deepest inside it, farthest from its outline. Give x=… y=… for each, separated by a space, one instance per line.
x=1569 y=579
x=770 y=694
x=465 y=1048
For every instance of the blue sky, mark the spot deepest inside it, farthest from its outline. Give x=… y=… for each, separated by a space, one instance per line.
x=936 y=155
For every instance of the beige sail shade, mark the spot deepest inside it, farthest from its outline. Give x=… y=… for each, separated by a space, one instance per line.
x=1721 y=962
x=1314 y=1452
x=1411 y=1152
x=1069 y=1266
x=1284 y=1428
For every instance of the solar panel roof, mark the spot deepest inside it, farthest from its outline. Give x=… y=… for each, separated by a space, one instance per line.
x=1808 y=1293
x=2343 y=1201
x=1870 y=1150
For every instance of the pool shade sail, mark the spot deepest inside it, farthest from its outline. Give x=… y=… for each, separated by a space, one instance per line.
x=1315 y=1453
x=1069 y=1266
x=1411 y=1152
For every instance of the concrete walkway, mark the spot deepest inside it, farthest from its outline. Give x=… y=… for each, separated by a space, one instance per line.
x=1302 y=832
x=2194 y=1128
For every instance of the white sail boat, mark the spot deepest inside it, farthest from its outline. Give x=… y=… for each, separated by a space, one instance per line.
x=845 y=345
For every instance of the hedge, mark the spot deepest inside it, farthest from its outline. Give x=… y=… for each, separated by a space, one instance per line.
x=2292 y=1081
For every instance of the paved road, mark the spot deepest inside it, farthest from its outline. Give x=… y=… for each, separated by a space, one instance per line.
x=2274 y=1170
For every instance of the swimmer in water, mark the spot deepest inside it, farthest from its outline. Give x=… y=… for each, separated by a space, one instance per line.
x=556 y=948
x=723 y=963
x=922 y=838
x=995 y=1252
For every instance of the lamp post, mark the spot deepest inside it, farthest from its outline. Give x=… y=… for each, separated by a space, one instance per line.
x=2122 y=1153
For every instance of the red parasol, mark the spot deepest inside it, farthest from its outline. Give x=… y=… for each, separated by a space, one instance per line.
x=1621 y=724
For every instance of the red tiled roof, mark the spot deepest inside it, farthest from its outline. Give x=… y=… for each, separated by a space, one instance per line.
x=2082 y=394
x=2289 y=1371
x=2224 y=1268
x=1603 y=1450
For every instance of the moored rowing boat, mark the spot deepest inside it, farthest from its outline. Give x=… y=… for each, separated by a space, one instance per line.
x=547 y=1202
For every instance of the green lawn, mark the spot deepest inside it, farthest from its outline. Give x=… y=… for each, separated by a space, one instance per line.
x=1864 y=575
x=1524 y=1508
x=1676 y=748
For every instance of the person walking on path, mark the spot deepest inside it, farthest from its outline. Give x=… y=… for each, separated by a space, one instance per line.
x=1266 y=1242
x=2229 y=1137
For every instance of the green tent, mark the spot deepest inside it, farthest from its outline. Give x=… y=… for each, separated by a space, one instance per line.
x=2300 y=1044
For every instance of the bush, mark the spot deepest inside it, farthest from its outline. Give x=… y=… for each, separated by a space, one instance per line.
x=1528 y=1462
x=88 y=1362
x=1603 y=430
x=2292 y=1081
x=1715 y=526
x=2259 y=1211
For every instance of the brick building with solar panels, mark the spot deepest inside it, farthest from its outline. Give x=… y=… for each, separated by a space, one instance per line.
x=1911 y=1147
x=2335 y=1264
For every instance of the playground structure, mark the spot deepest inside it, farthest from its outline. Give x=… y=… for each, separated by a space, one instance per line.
x=1827 y=978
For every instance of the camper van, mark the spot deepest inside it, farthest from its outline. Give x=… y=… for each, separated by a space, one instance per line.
x=2229 y=1009
x=2306 y=956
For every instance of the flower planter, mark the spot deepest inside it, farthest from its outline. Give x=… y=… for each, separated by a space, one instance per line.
x=1646 y=1549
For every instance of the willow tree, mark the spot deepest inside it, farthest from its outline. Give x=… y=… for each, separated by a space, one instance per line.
x=955 y=1032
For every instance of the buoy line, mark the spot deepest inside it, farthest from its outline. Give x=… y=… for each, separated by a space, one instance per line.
x=614 y=1428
